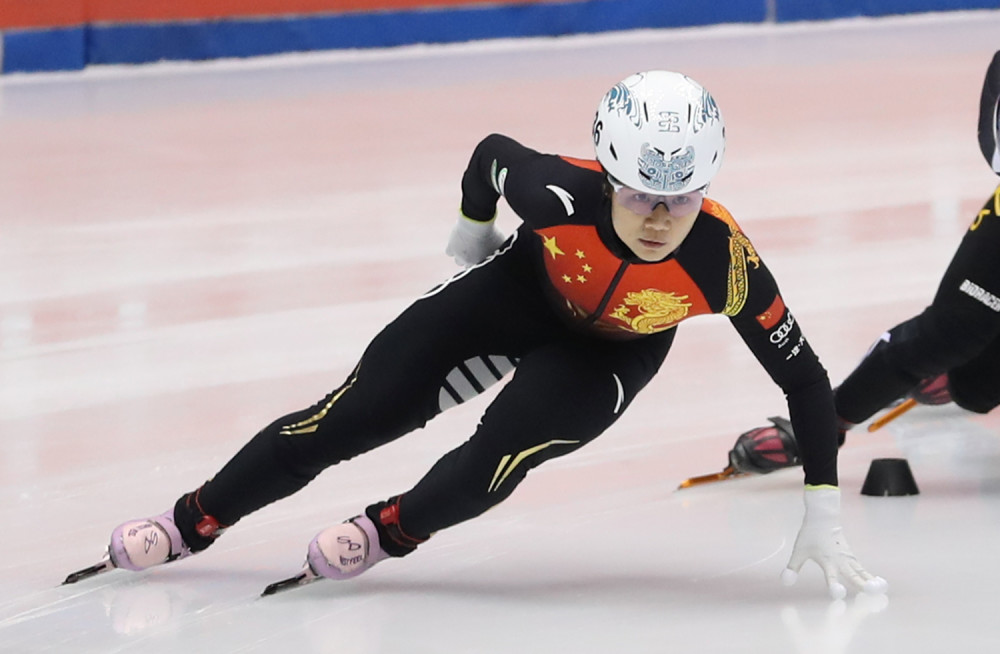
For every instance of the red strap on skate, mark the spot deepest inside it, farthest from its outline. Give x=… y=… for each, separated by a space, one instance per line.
x=769 y=445
x=208 y=527
x=389 y=516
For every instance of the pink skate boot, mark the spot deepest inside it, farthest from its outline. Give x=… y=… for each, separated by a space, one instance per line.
x=348 y=549
x=140 y=544
x=345 y=550
x=144 y=543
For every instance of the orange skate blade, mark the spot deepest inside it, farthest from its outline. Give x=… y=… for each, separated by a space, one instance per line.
x=728 y=473
x=892 y=415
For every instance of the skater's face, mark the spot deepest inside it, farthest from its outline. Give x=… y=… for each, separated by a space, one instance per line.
x=652 y=226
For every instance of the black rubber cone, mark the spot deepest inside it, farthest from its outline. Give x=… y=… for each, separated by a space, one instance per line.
x=889 y=477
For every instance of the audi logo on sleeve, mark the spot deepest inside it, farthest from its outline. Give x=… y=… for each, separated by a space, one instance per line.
x=780 y=335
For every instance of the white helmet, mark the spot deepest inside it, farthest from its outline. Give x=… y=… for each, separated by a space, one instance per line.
x=660 y=131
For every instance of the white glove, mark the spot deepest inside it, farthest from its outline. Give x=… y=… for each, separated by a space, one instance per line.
x=822 y=540
x=471 y=241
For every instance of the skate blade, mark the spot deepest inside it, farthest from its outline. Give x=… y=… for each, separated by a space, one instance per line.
x=728 y=473
x=87 y=573
x=307 y=576
x=892 y=415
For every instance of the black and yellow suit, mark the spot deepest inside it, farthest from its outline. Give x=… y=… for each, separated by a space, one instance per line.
x=583 y=324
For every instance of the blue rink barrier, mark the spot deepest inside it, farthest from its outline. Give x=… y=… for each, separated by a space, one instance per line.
x=800 y=10
x=118 y=44
x=73 y=48
x=62 y=48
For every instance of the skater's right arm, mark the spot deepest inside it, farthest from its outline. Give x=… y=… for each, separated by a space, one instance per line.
x=542 y=189
x=485 y=177
x=475 y=236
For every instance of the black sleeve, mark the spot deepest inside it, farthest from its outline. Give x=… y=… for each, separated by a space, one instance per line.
x=542 y=189
x=773 y=335
x=486 y=175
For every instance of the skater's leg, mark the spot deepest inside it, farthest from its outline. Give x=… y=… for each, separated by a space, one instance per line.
x=444 y=349
x=975 y=385
x=962 y=321
x=561 y=398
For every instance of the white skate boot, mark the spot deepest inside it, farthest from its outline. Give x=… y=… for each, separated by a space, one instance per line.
x=345 y=550
x=140 y=544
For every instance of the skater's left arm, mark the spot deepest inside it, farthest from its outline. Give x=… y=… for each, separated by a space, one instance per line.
x=774 y=336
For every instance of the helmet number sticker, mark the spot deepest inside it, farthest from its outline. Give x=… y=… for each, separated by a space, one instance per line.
x=670 y=121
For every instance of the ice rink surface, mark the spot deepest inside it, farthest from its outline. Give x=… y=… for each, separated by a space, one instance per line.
x=188 y=251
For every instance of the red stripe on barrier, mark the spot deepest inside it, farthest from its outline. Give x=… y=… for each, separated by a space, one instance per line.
x=61 y=13
x=36 y=13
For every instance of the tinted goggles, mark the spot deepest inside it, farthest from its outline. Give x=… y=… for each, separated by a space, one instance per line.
x=643 y=202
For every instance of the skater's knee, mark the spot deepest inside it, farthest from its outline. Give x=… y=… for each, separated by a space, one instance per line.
x=976 y=399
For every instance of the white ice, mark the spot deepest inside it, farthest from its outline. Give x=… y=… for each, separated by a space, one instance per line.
x=188 y=251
